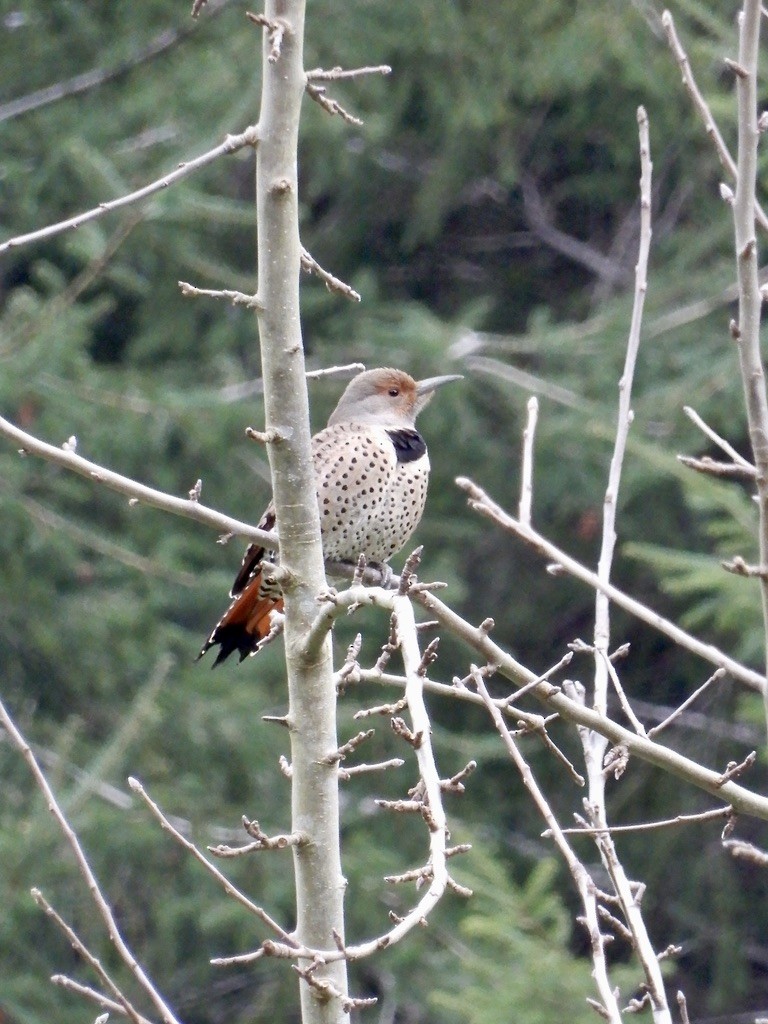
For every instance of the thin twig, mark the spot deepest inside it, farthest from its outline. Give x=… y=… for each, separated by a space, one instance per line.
x=247 y=389
x=222 y=879
x=363 y=769
x=514 y=697
x=716 y=676
x=95 y=996
x=625 y=705
x=581 y=877
x=334 y=74
x=629 y=900
x=335 y=371
x=595 y=743
x=683 y=1007
x=84 y=867
x=649 y=826
x=275 y=31
x=735 y=769
x=721 y=442
x=333 y=284
x=89 y=538
x=236 y=298
x=82 y=950
x=624 y=420
x=318 y=94
x=549 y=743
x=349 y=747
x=738 y=567
x=711 y=467
x=526 y=469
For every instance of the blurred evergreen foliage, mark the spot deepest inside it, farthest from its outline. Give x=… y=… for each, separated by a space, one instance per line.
x=499 y=123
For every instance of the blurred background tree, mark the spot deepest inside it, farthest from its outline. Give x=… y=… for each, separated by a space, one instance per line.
x=487 y=212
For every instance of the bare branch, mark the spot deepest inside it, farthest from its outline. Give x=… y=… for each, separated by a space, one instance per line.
x=275 y=29
x=746 y=851
x=231 y=144
x=737 y=768
x=482 y=503
x=648 y=826
x=93 y=962
x=738 y=567
x=683 y=1007
x=30 y=445
x=349 y=369
x=625 y=705
x=334 y=284
x=514 y=697
x=381 y=709
x=702 y=107
x=743 y=800
x=718 y=469
x=190 y=847
x=714 y=678
x=738 y=69
x=271 y=436
x=541 y=732
x=581 y=877
x=99 y=998
x=96 y=77
x=541 y=224
x=347 y=748
x=399 y=728
x=88 y=538
x=247 y=389
x=618 y=926
x=318 y=94
x=261 y=842
x=594 y=745
x=236 y=298
x=335 y=74
x=456 y=783
x=526 y=469
x=363 y=769
x=85 y=869
x=721 y=442
x=747 y=334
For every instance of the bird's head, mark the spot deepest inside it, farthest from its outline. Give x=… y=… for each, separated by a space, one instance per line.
x=386 y=398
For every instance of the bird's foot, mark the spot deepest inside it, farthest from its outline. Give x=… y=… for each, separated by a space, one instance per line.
x=379 y=574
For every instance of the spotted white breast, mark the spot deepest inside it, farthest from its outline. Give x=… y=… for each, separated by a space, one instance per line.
x=371 y=488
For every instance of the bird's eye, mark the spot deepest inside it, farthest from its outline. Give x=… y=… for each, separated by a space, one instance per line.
x=394 y=392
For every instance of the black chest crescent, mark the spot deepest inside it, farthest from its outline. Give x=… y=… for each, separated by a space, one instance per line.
x=409 y=444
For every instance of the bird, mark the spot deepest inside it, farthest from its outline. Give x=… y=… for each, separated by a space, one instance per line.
x=371 y=469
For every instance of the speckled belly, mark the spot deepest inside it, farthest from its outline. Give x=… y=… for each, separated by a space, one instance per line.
x=369 y=501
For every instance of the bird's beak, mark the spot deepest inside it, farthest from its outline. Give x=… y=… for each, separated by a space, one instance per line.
x=426 y=387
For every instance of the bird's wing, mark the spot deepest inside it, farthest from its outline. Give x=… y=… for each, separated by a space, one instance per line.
x=253 y=555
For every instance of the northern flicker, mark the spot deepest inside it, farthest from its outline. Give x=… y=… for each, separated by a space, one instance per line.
x=372 y=467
